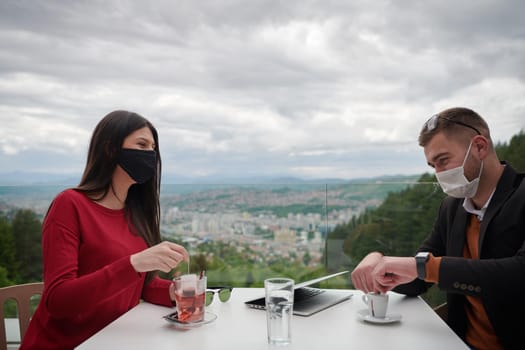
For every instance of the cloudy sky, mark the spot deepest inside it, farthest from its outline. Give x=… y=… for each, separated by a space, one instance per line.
x=241 y=88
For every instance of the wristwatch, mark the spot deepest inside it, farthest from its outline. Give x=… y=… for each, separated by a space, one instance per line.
x=421 y=262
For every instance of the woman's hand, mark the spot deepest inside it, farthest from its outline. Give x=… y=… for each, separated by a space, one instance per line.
x=164 y=257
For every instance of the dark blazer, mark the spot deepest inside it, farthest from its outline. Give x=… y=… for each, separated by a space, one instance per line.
x=498 y=276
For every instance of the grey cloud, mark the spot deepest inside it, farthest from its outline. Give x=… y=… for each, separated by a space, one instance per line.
x=236 y=86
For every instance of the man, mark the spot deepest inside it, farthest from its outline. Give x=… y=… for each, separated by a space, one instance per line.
x=476 y=250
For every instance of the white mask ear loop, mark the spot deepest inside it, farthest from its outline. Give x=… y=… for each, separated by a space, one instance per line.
x=465 y=160
x=466 y=155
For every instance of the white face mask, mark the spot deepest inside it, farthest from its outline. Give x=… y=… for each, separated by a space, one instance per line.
x=455 y=184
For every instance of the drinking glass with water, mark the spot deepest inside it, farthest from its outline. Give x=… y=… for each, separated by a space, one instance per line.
x=279 y=309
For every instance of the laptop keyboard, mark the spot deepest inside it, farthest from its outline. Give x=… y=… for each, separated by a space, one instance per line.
x=305 y=293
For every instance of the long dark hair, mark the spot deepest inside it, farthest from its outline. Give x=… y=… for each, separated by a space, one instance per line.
x=142 y=202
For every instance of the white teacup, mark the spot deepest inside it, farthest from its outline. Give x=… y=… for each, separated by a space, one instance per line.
x=377 y=304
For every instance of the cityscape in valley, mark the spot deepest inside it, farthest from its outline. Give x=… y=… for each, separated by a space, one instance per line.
x=269 y=222
x=286 y=221
x=263 y=222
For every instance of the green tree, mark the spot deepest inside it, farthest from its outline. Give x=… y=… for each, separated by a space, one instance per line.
x=514 y=151
x=307 y=258
x=8 y=265
x=4 y=281
x=198 y=263
x=311 y=235
x=397 y=226
x=28 y=248
x=249 y=279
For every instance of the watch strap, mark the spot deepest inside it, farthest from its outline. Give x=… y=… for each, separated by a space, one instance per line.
x=421 y=262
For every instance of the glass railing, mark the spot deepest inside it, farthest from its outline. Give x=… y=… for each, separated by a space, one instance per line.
x=241 y=234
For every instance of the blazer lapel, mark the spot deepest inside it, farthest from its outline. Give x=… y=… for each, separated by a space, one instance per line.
x=504 y=188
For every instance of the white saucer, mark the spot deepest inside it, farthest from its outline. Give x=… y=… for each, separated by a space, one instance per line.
x=365 y=316
x=172 y=318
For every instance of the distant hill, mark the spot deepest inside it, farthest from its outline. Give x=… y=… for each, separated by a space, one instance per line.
x=19 y=178
x=69 y=180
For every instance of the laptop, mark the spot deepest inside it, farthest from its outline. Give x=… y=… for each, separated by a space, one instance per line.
x=308 y=300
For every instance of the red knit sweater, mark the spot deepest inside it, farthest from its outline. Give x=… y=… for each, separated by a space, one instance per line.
x=88 y=278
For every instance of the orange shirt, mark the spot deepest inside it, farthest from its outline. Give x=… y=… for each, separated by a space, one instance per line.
x=480 y=333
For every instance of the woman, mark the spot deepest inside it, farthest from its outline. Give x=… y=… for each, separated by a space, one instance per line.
x=101 y=240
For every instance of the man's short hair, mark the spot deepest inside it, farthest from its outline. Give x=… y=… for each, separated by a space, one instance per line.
x=458 y=122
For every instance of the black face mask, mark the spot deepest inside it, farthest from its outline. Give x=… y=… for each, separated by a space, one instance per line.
x=140 y=165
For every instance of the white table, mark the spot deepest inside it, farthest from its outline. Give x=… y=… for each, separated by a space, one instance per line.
x=239 y=327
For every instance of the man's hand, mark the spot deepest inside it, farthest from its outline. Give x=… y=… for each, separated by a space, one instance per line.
x=378 y=273
x=393 y=271
x=362 y=278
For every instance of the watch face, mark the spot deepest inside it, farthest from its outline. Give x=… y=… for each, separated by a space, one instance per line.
x=422 y=255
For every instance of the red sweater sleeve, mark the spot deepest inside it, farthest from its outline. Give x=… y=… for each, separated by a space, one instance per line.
x=86 y=251
x=88 y=277
x=157 y=292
